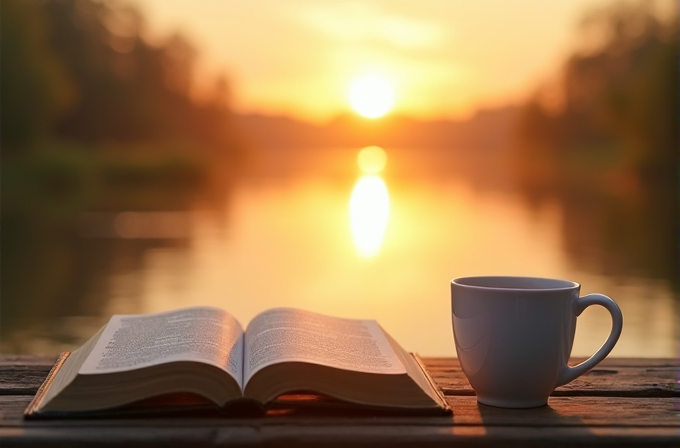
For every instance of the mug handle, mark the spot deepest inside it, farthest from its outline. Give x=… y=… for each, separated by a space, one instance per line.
x=568 y=373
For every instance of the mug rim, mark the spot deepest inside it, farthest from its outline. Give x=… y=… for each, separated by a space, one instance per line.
x=469 y=282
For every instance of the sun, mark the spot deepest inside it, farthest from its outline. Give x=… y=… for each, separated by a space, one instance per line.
x=371 y=96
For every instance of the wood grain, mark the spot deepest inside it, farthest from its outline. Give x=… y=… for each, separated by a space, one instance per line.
x=611 y=378
x=621 y=403
x=340 y=436
x=561 y=411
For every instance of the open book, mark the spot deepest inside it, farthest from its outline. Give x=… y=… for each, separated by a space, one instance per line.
x=205 y=352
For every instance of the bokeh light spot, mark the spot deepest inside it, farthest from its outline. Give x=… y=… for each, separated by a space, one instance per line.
x=372 y=159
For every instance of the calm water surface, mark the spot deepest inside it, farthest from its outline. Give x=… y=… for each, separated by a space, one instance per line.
x=323 y=236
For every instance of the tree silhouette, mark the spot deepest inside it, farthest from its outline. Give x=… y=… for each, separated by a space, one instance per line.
x=122 y=89
x=617 y=109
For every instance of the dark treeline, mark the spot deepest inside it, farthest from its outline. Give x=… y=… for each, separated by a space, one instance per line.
x=603 y=141
x=81 y=71
x=613 y=114
x=96 y=118
x=487 y=130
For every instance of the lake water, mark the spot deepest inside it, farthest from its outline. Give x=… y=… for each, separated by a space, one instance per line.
x=314 y=232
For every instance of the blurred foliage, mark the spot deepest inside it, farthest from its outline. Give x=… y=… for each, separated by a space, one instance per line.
x=36 y=88
x=613 y=116
x=81 y=71
x=95 y=118
x=603 y=141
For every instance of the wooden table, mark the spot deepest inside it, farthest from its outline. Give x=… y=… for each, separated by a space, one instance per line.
x=622 y=403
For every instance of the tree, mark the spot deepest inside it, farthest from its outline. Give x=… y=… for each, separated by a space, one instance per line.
x=619 y=103
x=35 y=87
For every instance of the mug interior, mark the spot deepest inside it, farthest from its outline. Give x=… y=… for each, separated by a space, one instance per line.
x=509 y=282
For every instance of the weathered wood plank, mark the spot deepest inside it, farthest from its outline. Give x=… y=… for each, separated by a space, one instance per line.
x=27 y=360
x=561 y=411
x=614 y=377
x=622 y=403
x=22 y=379
x=340 y=436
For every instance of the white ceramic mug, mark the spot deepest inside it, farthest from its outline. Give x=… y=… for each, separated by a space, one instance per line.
x=514 y=336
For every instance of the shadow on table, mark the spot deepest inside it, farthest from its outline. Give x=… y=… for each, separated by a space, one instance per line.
x=532 y=427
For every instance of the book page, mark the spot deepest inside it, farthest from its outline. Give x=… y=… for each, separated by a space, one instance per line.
x=203 y=334
x=286 y=334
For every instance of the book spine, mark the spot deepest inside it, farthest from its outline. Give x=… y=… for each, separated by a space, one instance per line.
x=435 y=387
x=32 y=408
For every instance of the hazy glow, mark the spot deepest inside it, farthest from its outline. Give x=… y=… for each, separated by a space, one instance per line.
x=369 y=209
x=147 y=225
x=442 y=59
x=371 y=96
x=372 y=159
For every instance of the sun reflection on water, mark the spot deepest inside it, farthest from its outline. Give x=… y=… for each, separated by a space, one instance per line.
x=369 y=204
x=372 y=159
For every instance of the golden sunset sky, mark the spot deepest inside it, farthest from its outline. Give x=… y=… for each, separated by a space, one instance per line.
x=443 y=58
